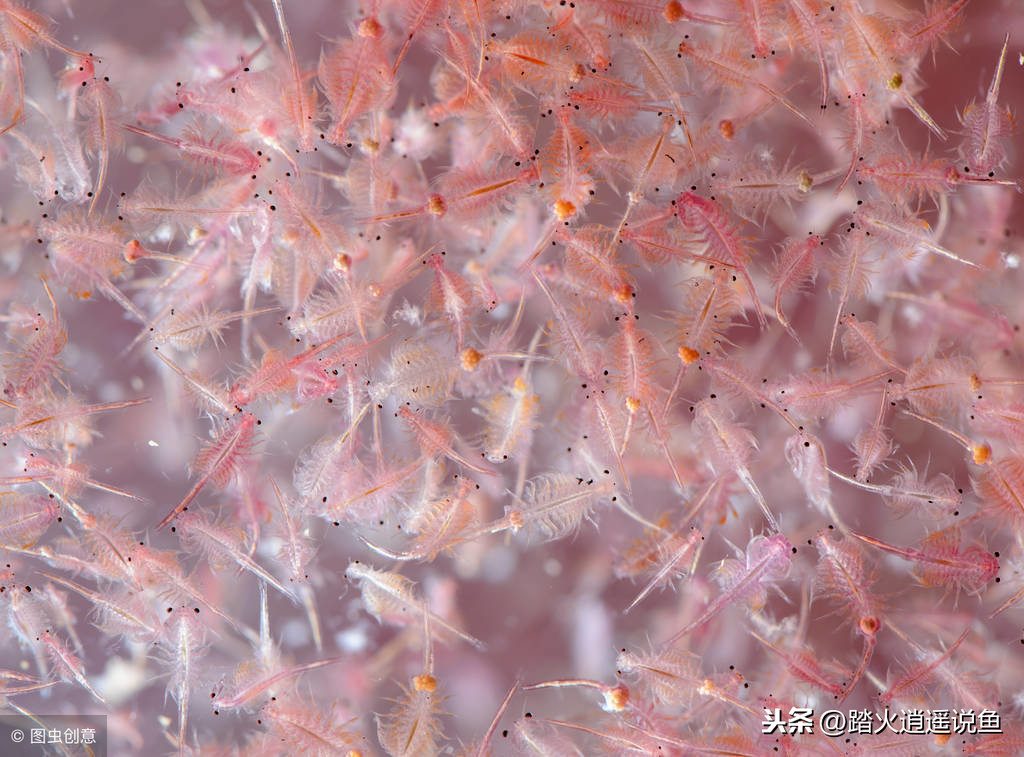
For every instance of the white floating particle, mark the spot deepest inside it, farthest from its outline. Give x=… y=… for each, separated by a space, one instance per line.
x=914 y=315
x=121 y=680
x=152 y=443
x=351 y=640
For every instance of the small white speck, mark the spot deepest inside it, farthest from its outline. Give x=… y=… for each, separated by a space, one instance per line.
x=270 y=546
x=913 y=315
x=137 y=384
x=409 y=313
x=1012 y=260
x=121 y=680
x=351 y=640
x=152 y=443
x=164 y=232
x=552 y=567
x=1018 y=702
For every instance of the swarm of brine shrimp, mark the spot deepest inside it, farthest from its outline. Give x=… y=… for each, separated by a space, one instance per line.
x=488 y=377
